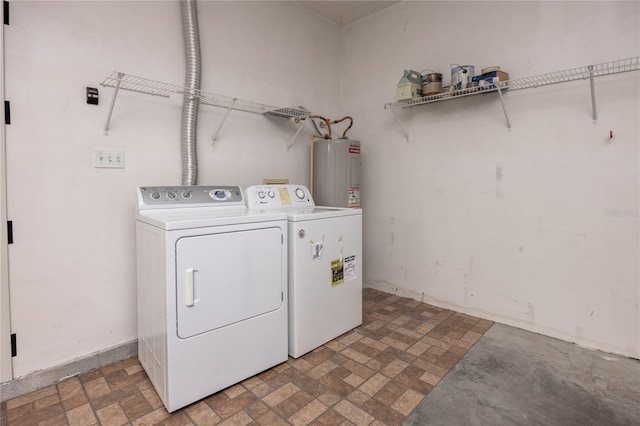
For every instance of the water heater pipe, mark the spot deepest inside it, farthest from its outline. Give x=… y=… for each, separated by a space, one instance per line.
x=191 y=100
x=344 y=134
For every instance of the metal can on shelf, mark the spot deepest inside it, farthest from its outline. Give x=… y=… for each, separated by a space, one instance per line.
x=461 y=75
x=431 y=82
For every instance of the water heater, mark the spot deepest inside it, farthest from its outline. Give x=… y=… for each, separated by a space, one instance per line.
x=337 y=172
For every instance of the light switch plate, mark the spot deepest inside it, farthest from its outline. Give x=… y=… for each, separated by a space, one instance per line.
x=108 y=159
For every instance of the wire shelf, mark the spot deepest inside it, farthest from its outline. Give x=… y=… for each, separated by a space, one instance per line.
x=445 y=96
x=289 y=113
x=140 y=85
x=580 y=73
x=221 y=101
x=119 y=80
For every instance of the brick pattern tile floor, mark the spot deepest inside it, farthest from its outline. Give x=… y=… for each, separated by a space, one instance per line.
x=374 y=375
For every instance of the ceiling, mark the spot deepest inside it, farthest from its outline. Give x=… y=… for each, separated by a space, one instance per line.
x=345 y=12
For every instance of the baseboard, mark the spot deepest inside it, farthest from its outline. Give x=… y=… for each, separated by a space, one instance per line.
x=502 y=319
x=47 y=377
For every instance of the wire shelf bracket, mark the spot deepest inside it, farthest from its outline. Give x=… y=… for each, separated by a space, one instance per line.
x=300 y=116
x=113 y=102
x=496 y=81
x=593 y=95
x=291 y=142
x=121 y=81
x=226 y=114
x=556 y=77
x=404 y=129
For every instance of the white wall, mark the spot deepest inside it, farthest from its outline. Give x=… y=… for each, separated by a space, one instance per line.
x=72 y=265
x=535 y=227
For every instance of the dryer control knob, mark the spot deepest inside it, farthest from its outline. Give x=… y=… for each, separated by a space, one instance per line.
x=300 y=193
x=186 y=195
x=155 y=195
x=271 y=194
x=171 y=195
x=219 y=194
x=261 y=194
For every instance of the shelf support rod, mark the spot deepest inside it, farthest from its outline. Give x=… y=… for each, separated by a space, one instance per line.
x=593 y=95
x=113 y=102
x=226 y=114
x=404 y=131
x=496 y=81
x=302 y=121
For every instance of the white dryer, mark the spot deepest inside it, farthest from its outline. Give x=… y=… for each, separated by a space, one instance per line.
x=212 y=290
x=325 y=264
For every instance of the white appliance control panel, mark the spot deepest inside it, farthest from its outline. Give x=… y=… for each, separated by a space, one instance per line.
x=188 y=196
x=278 y=197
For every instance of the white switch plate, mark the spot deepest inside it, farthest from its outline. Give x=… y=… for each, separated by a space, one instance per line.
x=108 y=158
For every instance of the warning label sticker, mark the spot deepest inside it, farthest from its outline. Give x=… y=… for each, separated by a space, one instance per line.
x=354 y=198
x=337 y=272
x=350 y=268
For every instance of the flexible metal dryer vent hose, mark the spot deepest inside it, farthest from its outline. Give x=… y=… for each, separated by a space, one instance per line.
x=192 y=83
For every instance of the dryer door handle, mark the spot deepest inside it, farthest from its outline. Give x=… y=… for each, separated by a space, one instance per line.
x=188 y=286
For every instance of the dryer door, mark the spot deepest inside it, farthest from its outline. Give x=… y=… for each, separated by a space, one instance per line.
x=226 y=278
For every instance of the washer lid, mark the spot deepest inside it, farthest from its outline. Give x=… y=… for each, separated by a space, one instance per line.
x=188 y=218
x=320 y=213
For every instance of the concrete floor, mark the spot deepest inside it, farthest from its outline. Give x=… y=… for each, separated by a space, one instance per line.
x=514 y=377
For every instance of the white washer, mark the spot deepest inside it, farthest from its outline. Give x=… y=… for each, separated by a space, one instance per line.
x=325 y=264
x=212 y=290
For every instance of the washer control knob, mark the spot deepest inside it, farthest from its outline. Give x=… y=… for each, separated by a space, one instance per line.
x=155 y=195
x=271 y=194
x=186 y=195
x=300 y=193
x=171 y=195
x=261 y=194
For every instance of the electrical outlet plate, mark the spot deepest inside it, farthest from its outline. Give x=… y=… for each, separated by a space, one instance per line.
x=108 y=159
